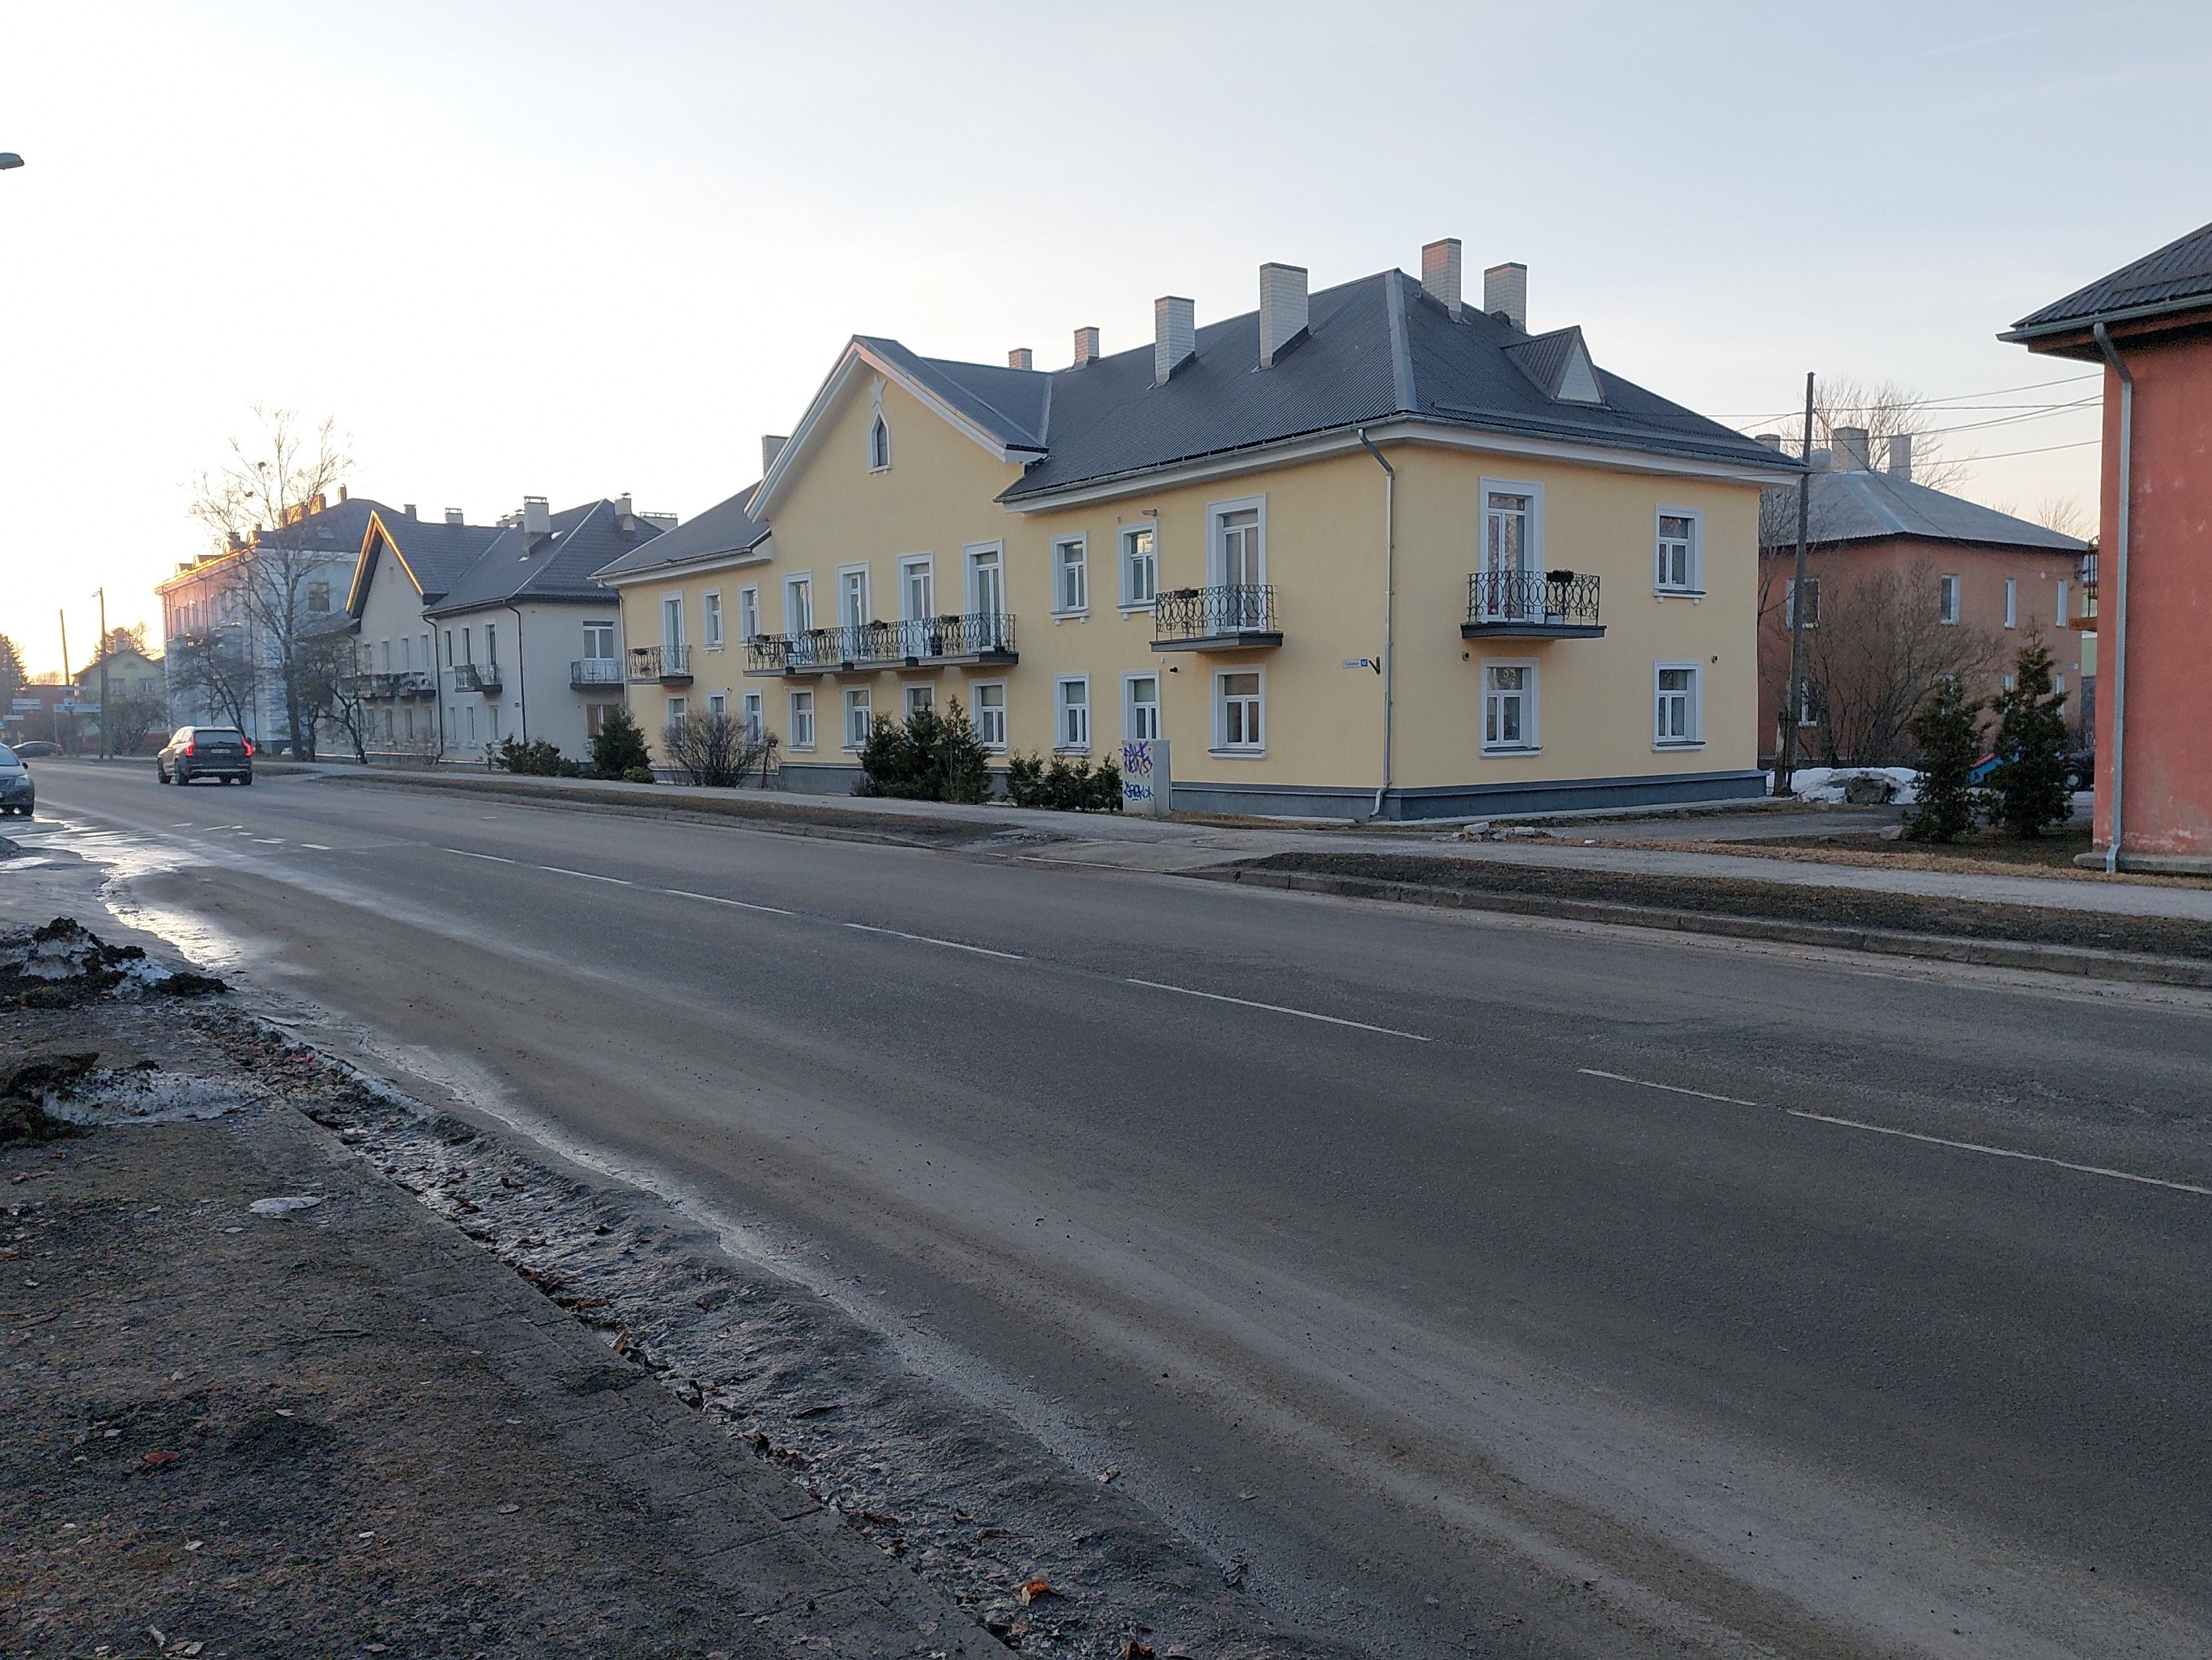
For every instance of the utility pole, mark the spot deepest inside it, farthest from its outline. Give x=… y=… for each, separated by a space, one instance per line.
x=101 y=594
x=66 y=681
x=1793 y=699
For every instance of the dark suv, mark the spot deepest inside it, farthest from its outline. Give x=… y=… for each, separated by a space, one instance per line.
x=222 y=753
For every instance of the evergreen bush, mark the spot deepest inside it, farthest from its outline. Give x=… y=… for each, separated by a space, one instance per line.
x=619 y=747
x=929 y=757
x=2028 y=785
x=538 y=759
x=1947 y=728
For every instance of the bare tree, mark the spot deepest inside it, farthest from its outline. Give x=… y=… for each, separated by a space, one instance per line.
x=1880 y=647
x=330 y=691
x=254 y=504
x=1885 y=410
x=716 y=750
x=218 y=665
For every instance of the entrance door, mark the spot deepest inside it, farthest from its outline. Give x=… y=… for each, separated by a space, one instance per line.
x=987 y=590
x=1506 y=553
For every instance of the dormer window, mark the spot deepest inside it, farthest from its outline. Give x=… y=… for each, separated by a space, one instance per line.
x=879 y=444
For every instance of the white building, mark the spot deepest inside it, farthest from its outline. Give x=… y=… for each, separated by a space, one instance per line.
x=404 y=564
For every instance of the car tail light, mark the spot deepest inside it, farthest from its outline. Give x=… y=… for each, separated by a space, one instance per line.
x=192 y=749
x=249 y=745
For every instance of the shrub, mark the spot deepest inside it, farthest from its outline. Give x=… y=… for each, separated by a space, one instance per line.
x=1063 y=785
x=1948 y=731
x=640 y=776
x=929 y=757
x=716 y=751
x=2028 y=785
x=538 y=758
x=619 y=747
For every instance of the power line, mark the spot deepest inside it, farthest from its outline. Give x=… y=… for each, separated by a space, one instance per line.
x=1954 y=398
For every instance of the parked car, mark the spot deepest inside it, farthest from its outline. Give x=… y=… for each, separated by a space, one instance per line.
x=222 y=752
x=30 y=748
x=2081 y=769
x=17 y=792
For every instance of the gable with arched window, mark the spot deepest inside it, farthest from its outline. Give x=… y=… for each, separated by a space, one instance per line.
x=879 y=443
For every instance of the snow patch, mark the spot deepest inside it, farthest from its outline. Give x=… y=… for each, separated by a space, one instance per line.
x=139 y=1097
x=1832 y=783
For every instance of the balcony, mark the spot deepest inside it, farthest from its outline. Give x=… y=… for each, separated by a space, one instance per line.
x=590 y=672
x=476 y=676
x=667 y=665
x=1237 y=618
x=980 y=637
x=408 y=682
x=1531 y=605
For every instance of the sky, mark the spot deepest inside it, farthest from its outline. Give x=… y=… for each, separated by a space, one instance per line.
x=572 y=249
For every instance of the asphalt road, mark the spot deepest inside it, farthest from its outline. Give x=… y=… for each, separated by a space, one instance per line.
x=1572 y=1278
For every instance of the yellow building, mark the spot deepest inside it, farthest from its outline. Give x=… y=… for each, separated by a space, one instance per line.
x=1364 y=552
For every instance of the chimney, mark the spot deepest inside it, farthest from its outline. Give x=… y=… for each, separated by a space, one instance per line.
x=771 y=446
x=455 y=516
x=1086 y=347
x=1850 y=448
x=1282 y=310
x=537 y=517
x=1175 y=336
x=407 y=508
x=1900 y=456
x=1505 y=288
x=1772 y=440
x=1440 y=274
x=622 y=505
x=1019 y=358
x=342 y=492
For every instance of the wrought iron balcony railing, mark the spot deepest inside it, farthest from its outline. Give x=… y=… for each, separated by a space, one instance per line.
x=1531 y=605
x=1223 y=618
x=594 y=671
x=977 y=637
x=476 y=676
x=666 y=663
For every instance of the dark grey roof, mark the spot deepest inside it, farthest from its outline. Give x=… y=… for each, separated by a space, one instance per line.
x=2178 y=277
x=439 y=554
x=1011 y=404
x=337 y=531
x=555 y=566
x=1375 y=349
x=725 y=528
x=1862 y=506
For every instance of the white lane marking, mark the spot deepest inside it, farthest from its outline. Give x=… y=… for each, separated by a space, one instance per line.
x=1907 y=1135
x=1277 y=1008
x=716 y=899
x=268 y=841
x=316 y=846
x=589 y=876
x=492 y=858
x=950 y=945
x=187 y=824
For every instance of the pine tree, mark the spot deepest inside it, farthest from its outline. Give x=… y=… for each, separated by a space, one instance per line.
x=618 y=748
x=1946 y=727
x=2029 y=780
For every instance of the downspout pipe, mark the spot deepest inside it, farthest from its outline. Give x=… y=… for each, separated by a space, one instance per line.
x=2120 y=625
x=521 y=682
x=1390 y=606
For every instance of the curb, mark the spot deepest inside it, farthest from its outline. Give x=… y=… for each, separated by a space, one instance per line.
x=1987 y=953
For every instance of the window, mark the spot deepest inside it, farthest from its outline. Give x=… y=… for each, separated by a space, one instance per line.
x=718 y=706
x=1509 y=706
x=1141 y=707
x=852 y=597
x=468 y=650
x=1675 y=712
x=748 y=613
x=752 y=716
x=711 y=618
x=2064 y=621
x=879 y=444
x=2011 y=603
x=672 y=621
x=1237 y=704
x=491 y=645
x=406 y=656
x=1678 y=570
x=449 y=648
x=598 y=642
x=860 y=717
x=1947 y=599
x=1071 y=575
x=1141 y=566
x=1239 y=558
x=990 y=715
x=917 y=588
x=1812 y=603
x=680 y=714
x=1509 y=525
x=2058 y=685
x=1071 y=727
x=798 y=604
x=595 y=719
x=318 y=598
x=920 y=698
x=471 y=713
x=802 y=720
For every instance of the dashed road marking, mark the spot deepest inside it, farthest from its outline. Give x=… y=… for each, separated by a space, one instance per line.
x=950 y=945
x=1277 y=1008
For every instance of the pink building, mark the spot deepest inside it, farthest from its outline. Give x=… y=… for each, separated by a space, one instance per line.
x=2149 y=323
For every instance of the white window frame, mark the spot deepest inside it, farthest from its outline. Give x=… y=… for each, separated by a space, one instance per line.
x=1062 y=744
x=1221 y=746
x=1535 y=492
x=1217 y=536
x=1080 y=566
x=1129 y=722
x=678 y=711
x=908 y=565
x=866 y=608
x=710 y=618
x=2064 y=595
x=861 y=701
x=672 y=605
x=1125 y=563
x=1695 y=708
x=1532 y=730
x=718 y=706
x=750 y=715
x=1789 y=602
x=1695 y=587
x=973 y=558
x=909 y=689
x=1950 y=598
x=594 y=633
x=975 y=708
x=2012 y=602
x=798 y=619
x=749 y=613
x=877 y=424
x=799 y=717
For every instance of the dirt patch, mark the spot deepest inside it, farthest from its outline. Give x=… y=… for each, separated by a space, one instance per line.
x=1833 y=907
